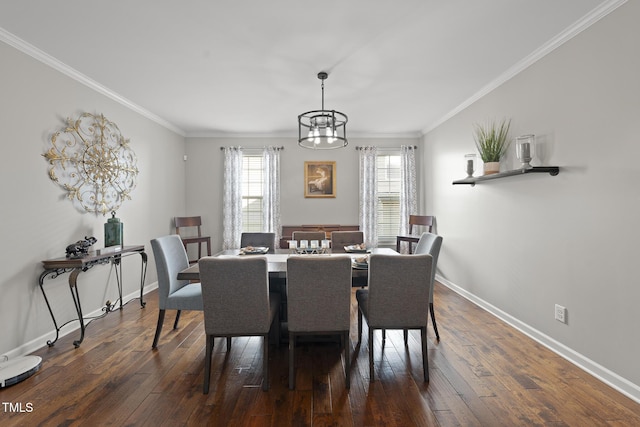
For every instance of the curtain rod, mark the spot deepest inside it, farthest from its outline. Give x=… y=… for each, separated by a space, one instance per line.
x=253 y=148
x=414 y=147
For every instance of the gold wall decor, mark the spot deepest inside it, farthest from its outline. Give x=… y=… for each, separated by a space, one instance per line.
x=319 y=179
x=93 y=163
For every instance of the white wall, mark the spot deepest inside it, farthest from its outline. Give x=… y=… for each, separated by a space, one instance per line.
x=205 y=175
x=38 y=222
x=522 y=244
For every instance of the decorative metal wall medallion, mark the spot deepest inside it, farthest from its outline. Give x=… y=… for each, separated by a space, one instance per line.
x=93 y=163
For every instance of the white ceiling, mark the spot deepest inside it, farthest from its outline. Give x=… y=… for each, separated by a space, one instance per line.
x=209 y=67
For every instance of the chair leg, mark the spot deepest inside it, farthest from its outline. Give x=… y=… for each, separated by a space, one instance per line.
x=347 y=359
x=265 y=362
x=370 y=354
x=359 y=326
x=228 y=344
x=405 y=332
x=275 y=327
x=292 y=372
x=158 y=328
x=433 y=320
x=384 y=336
x=175 y=324
x=425 y=357
x=207 y=364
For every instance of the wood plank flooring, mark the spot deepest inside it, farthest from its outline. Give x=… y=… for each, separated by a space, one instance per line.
x=482 y=373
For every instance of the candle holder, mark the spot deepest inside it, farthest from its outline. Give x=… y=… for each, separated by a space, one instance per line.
x=471 y=162
x=525 y=150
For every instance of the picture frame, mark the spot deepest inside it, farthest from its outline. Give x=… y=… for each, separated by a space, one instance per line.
x=319 y=179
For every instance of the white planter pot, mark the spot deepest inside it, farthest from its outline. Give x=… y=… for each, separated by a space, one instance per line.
x=491 y=168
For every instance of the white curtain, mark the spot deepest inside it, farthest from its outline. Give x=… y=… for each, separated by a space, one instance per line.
x=369 y=195
x=271 y=192
x=232 y=198
x=408 y=192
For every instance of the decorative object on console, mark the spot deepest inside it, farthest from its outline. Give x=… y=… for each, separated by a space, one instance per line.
x=492 y=143
x=309 y=247
x=93 y=163
x=525 y=149
x=322 y=129
x=81 y=247
x=319 y=179
x=470 y=161
x=113 y=231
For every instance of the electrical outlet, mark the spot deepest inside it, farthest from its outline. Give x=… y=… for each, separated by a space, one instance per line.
x=561 y=313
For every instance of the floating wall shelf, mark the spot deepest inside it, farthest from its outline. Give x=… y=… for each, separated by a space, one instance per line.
x=551 y=170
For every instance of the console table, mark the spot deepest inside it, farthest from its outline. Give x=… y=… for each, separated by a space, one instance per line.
x=287 y=230
x=110 y=255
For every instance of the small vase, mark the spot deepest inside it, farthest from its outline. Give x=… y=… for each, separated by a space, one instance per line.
x=491 y=168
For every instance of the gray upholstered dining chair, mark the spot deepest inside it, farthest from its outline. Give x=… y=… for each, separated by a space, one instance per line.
x=340 y=239
x=259 y=239
x=318 y=303
x=430 y=243
x=174 y=294
x=237 y=302
x=398 y=288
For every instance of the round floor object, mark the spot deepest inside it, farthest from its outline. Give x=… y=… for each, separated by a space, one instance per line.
x=19 y=369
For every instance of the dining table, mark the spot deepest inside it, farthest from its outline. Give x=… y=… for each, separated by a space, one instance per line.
x=277 y=262
x=277 y=267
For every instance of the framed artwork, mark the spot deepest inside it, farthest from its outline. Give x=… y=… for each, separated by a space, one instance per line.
x=319 y=179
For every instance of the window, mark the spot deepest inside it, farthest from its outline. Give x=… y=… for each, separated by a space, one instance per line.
x=252 y=187
x=388 y=169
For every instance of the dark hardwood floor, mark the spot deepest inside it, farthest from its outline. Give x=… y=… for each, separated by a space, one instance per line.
x=482 y=373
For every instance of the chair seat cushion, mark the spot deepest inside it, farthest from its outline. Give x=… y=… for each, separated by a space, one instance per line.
x=188 y=297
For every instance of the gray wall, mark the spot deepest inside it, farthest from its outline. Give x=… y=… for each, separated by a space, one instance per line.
x=520 y=245
x=38 y=222
x=515 y=246
x=205 y=163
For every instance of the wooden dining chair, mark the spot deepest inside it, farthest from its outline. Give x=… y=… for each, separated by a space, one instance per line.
x=427 y=221
x=395 y=299
x=199 y=239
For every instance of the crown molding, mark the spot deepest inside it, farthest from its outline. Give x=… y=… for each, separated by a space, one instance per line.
x=293 y=134
x=57 y=65
x=580 y=25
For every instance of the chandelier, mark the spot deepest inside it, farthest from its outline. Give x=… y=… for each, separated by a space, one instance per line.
x=322 y=129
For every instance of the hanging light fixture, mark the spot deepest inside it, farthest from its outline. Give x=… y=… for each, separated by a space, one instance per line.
x=322 y=129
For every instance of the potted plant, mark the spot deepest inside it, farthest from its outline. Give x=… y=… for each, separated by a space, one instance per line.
x=492 y=143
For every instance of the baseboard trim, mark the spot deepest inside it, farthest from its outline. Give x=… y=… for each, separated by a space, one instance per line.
x=41 y=341
x=605 y=375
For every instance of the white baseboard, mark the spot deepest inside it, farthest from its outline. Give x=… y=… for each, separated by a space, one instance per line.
x=605 y=375
x=41 y=341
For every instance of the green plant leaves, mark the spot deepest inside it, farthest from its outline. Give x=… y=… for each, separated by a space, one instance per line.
x=491 y=140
